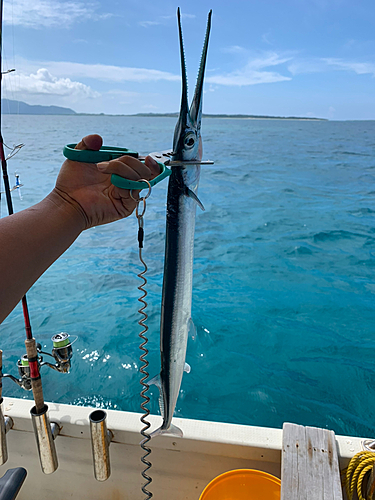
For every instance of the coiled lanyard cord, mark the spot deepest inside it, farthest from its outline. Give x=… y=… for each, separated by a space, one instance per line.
x=139 y=212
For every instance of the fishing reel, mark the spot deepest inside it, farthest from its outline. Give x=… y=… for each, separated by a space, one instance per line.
x=24 y=372
x=62 y=353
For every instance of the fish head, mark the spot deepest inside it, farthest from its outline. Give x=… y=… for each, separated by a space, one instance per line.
x=187 y=141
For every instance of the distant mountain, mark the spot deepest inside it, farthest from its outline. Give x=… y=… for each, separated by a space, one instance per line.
x=10 y=107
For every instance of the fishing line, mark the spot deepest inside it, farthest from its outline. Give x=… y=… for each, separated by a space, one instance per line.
x=30 y=341
x=10 y=87
x=144 y=363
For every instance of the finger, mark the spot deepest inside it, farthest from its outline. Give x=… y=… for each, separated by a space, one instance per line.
x=137 y=165
x=93 y=142
x=153 y=165
x=124 y=163
x=148 y=168
x=123 y=169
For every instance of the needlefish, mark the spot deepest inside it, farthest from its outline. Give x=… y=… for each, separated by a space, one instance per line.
x=182 y=200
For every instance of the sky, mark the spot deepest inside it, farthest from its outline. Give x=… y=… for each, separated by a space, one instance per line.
x=306 y=58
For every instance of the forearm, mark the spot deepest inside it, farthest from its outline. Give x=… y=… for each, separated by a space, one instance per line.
x=30 y=241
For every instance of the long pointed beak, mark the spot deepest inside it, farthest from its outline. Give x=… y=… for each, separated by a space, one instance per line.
x=196 y=105
x=189 y=121
x=184 y=109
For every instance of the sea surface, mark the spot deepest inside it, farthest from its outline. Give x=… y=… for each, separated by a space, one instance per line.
x=284 y=274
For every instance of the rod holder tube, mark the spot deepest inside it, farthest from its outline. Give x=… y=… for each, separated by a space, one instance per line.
x=6 y=423
x=101 y=438
x=45 y=433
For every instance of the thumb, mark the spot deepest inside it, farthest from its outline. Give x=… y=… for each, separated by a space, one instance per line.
x=93 y=142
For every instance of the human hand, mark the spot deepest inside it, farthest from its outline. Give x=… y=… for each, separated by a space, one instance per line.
x=88 y=187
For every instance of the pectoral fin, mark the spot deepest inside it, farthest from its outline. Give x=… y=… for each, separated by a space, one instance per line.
x=194 y=197
x=192 y=331
x=156 y=381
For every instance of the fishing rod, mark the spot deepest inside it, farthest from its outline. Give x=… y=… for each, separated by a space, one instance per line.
x=31 y=349
x=28 y=366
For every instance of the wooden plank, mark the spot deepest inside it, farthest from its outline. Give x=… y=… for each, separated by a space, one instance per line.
x=329 y=476
x=309 y=469
x=314 y=480
x=293 y=460
x=334 y=460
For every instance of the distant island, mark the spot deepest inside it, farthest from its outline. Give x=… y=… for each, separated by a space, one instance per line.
x=10 y=107
x=238 y=116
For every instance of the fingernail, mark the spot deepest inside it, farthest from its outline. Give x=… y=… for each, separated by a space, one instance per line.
x=102 y=165
x=153 y=162
x=81 y=145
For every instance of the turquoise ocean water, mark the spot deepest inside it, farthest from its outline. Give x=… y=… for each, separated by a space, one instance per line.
x=284 y=274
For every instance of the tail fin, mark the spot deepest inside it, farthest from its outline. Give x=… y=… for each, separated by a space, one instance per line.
x=173 y=430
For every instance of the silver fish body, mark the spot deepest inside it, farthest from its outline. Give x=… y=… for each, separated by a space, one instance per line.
x=177 y=285
x=182 y=201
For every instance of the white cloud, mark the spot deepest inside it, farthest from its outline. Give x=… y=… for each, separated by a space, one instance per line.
x=163 y=20
x=248 y=75
x=100 y=72
x=50 y=13
x=266 y=38
x=361 y=68
x=253 y=72
x=60 y=84
x=234 y=49
x=50 y=77
x=188 y=16
x=243 y=78
x=303 y=66
x=146 y=24
x=43 y=82
x=320 y=65
x=268 y=59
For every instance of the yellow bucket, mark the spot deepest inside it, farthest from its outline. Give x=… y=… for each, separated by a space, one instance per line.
x=243 y=484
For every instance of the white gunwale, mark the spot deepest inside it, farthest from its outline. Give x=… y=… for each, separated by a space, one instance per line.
x=181 y=467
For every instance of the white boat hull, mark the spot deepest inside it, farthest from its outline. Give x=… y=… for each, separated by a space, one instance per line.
x=181 y=467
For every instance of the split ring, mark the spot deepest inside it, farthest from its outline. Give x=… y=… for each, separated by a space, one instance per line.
x=144 y=197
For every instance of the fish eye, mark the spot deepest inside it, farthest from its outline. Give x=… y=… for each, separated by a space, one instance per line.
x=189 y=140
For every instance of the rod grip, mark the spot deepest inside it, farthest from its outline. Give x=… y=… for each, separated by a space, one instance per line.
x=36 y=381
